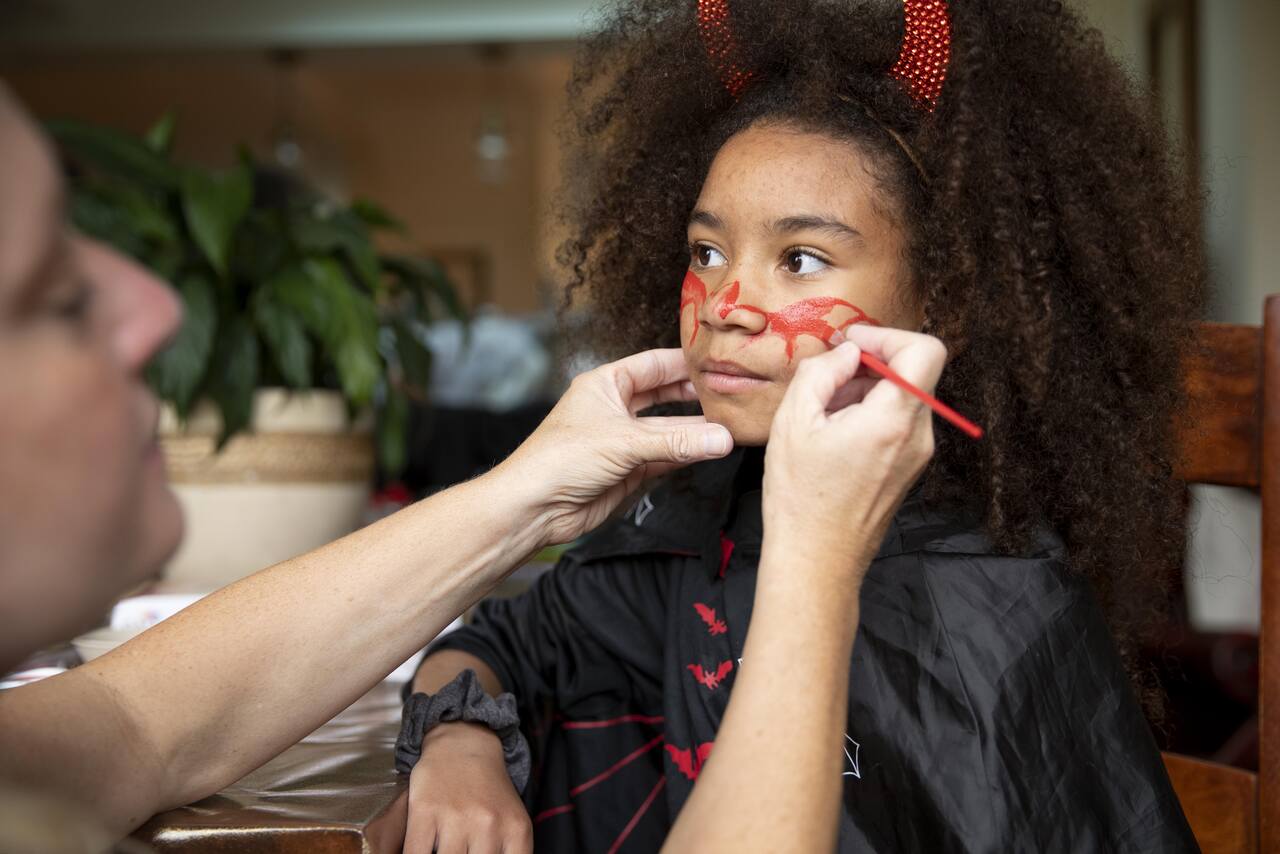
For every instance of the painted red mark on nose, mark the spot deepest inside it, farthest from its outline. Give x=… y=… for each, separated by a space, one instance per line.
x=805 y=317
x=694 y=293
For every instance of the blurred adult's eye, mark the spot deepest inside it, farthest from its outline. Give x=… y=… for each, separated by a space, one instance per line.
x=75 y=307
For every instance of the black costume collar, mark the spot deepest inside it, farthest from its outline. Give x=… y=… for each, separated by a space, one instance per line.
x=687 y=512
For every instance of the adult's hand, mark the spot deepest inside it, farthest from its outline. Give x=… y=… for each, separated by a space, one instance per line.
x=843 y=450
x=846 y=445
x=593 y=450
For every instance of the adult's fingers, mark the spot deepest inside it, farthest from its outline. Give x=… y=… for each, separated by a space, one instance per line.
x=916 y=357
x=820 y=377
x=646 y=371
x=681 y=391
x=672 y=420
x=679 y=443
x=851 y=392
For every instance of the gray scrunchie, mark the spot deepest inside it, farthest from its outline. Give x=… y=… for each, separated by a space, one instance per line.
x=464 y=700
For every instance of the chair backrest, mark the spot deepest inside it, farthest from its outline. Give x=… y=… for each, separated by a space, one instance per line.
x=1230 y=435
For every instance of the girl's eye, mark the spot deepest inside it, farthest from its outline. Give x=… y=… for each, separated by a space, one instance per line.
x=705 y=256
x=801 y=262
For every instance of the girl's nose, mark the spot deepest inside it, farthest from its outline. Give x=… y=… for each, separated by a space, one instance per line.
x=729 y=309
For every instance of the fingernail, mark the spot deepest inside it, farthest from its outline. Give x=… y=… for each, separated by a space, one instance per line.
x=837 y=338
x=717 y=442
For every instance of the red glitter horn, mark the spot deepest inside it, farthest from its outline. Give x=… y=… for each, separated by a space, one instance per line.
x=722 y=47
x=926 y=50
x=921 y=66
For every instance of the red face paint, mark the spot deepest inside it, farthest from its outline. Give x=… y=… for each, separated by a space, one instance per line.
x=694 y=293
x=806 y=317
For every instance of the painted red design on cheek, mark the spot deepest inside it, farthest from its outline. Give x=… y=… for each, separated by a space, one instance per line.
x=693 y=292
x=809 y=317
x=806 y=317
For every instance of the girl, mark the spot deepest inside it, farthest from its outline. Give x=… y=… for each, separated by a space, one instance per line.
x=980 y=170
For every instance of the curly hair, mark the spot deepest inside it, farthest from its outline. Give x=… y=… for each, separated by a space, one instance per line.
x=1053 y=245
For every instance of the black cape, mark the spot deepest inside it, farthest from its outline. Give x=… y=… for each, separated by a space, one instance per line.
x=988 y=709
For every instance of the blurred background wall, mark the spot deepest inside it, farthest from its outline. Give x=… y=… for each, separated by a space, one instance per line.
x=445 y=110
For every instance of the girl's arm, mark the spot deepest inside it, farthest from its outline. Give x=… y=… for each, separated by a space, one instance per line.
x=831 y=486
x=201 y=699
x=460 y=795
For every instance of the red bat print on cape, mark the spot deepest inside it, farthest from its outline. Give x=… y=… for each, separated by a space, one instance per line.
x=726 y=552
x=689 y=762
x=708 y=615
x=711 y=680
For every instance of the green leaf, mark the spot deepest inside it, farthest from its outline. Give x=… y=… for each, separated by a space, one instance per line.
x=285 y=335
x=428 y=280
x=176 y=373
x=375 y=216
x=342 y=317
x=261 y=246
x=233 y=377
x=104 y=220
x=322 y=232
x=393 y=433
x=413 y=356
x=167 y=260
x=214 y=205
x=148 y=215
x=159 y=137
x=114 y=153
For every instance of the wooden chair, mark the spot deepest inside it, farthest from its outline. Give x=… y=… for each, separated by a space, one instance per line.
x=1231 y=436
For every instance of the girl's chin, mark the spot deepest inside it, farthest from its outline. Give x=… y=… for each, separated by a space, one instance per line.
x=746 y=429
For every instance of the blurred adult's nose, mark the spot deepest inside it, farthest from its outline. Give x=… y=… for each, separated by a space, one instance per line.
x=140 y=311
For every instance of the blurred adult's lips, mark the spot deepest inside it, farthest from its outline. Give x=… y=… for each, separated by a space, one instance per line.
x=729 y=377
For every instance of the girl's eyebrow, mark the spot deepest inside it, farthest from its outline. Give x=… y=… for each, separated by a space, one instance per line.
x=707 y=219
x=833 y=227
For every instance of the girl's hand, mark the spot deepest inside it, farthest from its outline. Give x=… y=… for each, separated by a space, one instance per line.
x=461 y=799
x=844 y=449
x=592 y=450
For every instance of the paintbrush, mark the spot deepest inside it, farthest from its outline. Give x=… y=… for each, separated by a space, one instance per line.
x=964 y=424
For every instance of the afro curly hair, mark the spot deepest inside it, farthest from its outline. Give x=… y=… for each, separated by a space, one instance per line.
x=1052 y=230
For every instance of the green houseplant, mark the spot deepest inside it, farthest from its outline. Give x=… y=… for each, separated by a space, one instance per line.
x=280 y=286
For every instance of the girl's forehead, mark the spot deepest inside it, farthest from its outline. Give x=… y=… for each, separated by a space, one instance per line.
x=769 y=172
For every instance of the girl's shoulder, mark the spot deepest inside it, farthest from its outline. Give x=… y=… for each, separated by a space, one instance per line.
x=942 y=559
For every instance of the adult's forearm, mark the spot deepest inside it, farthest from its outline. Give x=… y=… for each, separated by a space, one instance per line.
x=231 y=681
x=773 y=780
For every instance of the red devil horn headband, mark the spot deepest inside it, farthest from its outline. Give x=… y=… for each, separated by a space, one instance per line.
x=921 y=65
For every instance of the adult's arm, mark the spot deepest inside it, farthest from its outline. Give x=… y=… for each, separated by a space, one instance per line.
x=199 y=700
x=832 y=482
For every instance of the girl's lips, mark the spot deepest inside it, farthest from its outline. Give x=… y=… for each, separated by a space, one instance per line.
x=729 y=377
x=731 y=383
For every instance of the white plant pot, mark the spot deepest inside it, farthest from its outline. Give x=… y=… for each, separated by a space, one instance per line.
x=299 y=480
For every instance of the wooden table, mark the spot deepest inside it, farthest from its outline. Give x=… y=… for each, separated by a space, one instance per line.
x=335 y=791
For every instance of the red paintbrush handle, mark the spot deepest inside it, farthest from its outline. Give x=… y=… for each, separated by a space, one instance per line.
x=971 y=429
